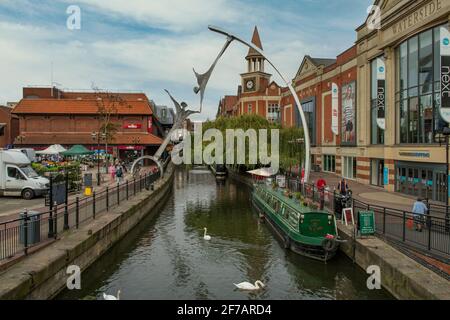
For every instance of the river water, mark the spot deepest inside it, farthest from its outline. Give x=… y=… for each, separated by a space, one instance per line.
x=166 y=257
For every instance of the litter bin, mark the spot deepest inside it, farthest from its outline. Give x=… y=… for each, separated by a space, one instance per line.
x=34 y=228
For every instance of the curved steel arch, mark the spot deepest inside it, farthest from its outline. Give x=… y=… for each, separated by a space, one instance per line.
x=158 y=163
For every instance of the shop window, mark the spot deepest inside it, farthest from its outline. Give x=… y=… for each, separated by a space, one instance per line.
x=329 y=163
x=349 y=167
x=2 y=130
x=418 y=89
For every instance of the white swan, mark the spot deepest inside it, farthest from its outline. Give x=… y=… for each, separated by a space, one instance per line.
x=250 y=287
x=111 y=297
x=205 y=236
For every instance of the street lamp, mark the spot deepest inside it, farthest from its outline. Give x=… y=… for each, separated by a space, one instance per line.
x=445 y=132
x=97 y=136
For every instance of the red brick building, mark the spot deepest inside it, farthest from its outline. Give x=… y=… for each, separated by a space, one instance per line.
x=9 y=127
x=257 y=94
x=313 y=83
x=49 y=115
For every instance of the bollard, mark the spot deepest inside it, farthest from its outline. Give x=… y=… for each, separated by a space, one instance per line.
x=25 y=229
x=107 y=198
x=66 y=217
x=118 y=194
x=93 y=205
x=55 y=234
x=77 y=212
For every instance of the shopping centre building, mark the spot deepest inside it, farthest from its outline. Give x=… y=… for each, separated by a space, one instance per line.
x=373 y=111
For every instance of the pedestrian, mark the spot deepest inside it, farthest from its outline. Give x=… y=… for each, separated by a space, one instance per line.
x=321 y=184
x=112 y=171
x=119 y=173
x=419 y=210
x=343 y=187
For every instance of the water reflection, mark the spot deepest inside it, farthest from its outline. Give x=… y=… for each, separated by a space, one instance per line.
x=166 y=257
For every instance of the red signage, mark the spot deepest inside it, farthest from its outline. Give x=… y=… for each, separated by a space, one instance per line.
x=132 y=126
x=149 y=127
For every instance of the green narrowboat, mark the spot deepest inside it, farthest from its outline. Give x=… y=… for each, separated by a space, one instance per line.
x=308 y=232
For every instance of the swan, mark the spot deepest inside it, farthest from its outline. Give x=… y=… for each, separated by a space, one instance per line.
x=111 y=297
x=205 y=236
x=250 y=287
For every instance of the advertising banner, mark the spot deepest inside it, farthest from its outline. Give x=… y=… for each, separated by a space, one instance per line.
x=445 y=74
x=335 y=108
x=381 y=93
x=348 y=113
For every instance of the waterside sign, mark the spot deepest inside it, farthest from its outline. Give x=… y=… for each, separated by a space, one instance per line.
x=366 y=223
x=419 y=15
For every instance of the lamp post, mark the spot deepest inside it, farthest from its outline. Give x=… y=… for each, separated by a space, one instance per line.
x=443 y=135
x=446 y=134
x=97 y=136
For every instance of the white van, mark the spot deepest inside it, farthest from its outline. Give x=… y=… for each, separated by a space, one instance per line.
x=17 y=178
x=29 y=152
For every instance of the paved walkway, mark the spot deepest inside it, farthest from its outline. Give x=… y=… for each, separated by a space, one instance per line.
x=371 y=194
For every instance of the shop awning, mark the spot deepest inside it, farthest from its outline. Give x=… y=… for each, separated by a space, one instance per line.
x=77 y=150
x=53 y=149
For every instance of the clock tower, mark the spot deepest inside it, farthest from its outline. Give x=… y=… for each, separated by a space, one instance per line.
x=255 y=79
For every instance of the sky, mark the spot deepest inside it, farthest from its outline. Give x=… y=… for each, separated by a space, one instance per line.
x=152 y=45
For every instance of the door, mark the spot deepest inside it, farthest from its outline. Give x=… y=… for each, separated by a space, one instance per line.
x=15 y=181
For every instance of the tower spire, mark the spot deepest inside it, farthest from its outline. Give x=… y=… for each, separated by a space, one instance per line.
x=256 y=40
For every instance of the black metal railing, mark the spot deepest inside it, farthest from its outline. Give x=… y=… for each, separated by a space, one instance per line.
x=33 y=229
x=391 y=224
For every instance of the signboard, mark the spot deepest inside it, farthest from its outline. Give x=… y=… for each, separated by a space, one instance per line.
x=335 y=108
x=88 y=179
x=347 y=216
x=445 y=74
x=386 y=176
x=366 y=222
x=59 y=193
x=348 y=113
x=381 y=92
x=132 y=126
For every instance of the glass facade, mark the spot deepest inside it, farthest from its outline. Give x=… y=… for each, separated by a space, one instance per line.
x=418 y=89
x=376 y=134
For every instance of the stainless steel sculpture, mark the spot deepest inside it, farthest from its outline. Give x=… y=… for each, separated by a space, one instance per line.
x=182 y=113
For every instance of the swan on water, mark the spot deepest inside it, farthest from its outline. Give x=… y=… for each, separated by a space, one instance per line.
x=111 y=297
x=205 y=236
x=250 y=287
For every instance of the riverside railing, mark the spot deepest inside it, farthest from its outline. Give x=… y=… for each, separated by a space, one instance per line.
x=392 y=224
x=33 y=229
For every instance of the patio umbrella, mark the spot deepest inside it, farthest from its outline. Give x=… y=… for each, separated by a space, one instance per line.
x=53 y=149
x=77 y=150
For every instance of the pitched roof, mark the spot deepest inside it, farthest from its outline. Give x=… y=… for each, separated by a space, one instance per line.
x=93 y=95
x=257 y=42
x=76 y=106
x=322 y=61
x=139 y=138
x=229 y=102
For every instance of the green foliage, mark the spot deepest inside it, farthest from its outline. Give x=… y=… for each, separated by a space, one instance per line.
x=58 y=173
x=291 y=145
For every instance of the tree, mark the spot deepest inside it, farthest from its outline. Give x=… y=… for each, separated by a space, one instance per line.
x=108 y=104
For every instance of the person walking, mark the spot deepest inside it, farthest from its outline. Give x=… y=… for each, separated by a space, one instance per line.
x=119 y=172
x=343 y=187
x=321 y=184
x=419 y=210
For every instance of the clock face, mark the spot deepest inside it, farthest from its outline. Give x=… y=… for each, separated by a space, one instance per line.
x=250 y=84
